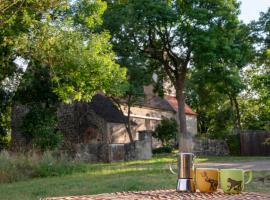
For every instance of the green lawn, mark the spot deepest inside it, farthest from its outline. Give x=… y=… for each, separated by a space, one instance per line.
x=120 y=176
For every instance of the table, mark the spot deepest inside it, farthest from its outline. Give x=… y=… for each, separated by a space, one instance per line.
x=164 y=194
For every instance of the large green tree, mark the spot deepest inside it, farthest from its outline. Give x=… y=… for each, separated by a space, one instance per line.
x=16 y=18
x=79 y=57
x=177 y=35
x=69 y=57
x=215 y=92
x=257 y=78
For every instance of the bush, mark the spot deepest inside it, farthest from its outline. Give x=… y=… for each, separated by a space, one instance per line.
x=234 y=144
x=166 y=131
x=24 y=166
x=49 y=166
x=165 y=149
x=40 y=128
x=4 y=143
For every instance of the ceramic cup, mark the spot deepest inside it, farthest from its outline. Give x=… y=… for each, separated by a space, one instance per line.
x=206 y=179
x=233 y=180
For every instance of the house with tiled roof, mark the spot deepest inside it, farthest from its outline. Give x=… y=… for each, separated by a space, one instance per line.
x=147 y=114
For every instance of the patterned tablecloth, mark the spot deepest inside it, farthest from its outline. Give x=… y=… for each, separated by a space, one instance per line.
x=164 y=194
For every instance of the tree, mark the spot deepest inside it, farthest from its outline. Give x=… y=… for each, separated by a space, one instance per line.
x=69 y=57
x=16 y=18
x=80 y=59
x=176 y=34
x=257 y=77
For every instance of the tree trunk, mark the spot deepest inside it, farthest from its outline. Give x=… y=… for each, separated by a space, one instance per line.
x=128 y=118
x=238 y=117
x=236 y=112
x=127 y=123
x=184 y=138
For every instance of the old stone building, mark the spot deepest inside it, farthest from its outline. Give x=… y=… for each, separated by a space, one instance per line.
x=147 y=114
x=100 y=122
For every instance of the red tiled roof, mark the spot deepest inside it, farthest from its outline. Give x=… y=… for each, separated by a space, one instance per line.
x=173 y=102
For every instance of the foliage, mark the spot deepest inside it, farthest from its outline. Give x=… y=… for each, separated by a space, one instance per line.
x=50 y=166
x=67 y=57
x=215 y=92
x=35 y=92
x=233 y=141
x=267 y=141
x=40 y=128
x=18 y=17
x=36 y=87
x=164 y=149
x=256 y=104
x=80 y=59
x=5 y=110
x=166 y=131
x=174 y=35
x=20 y=167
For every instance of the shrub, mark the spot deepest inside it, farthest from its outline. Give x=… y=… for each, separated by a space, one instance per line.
x=267 y=141
x=166 y=131
x=4 y=143
x=24 y=166
x=13 y=168
x=165 y=149
x=49 y=166
x=40 y=128
x=234 y=144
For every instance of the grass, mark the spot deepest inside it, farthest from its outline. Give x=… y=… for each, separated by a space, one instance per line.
x=111 y=177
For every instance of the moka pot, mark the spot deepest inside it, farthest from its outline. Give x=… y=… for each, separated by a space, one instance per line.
x=185 y=172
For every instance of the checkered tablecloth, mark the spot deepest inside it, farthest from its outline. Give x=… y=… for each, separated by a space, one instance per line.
x=164 y=194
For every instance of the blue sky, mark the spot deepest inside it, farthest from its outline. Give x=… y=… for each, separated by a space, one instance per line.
x=250 y=9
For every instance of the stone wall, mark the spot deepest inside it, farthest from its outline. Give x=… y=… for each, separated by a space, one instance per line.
x=138 y=150
x=77 y=122
x=210 y=147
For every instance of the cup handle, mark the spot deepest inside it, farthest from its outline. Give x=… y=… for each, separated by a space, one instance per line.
x=218 y=179
x=249 y=176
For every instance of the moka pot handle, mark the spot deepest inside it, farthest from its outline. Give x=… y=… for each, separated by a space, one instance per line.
x=171 y=168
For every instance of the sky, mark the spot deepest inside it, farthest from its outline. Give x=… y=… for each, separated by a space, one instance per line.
x=250 y=9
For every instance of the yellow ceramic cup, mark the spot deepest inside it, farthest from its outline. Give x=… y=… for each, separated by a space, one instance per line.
x=207 y=179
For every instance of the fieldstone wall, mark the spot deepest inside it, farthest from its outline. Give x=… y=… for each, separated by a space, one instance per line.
x=138 y=150
x=77 y=122
x=210 y=147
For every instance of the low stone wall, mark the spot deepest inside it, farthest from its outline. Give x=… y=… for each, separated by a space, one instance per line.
x=138 y=150
x=210 y=147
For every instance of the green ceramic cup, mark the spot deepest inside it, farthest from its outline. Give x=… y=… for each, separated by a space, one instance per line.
x=232 y=181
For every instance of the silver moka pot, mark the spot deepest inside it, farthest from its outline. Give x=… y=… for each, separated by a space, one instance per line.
x=185 y=172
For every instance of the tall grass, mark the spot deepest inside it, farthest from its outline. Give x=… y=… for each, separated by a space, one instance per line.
x=24 y=166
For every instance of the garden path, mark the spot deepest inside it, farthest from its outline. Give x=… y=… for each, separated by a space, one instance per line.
x=260 y=165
